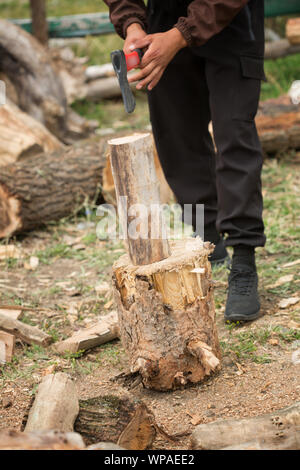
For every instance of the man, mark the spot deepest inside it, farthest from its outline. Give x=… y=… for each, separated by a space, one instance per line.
x=203 y=62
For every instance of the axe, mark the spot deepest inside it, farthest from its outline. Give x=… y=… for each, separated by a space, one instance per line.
x=122 y=64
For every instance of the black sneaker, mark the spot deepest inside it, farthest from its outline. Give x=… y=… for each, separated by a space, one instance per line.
x=220 y=254
x=243 y=301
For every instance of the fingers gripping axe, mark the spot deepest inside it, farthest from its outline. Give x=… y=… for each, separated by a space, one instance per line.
x=122 y=64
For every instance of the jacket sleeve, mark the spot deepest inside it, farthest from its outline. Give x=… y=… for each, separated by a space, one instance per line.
x=125 y=12
x=206 y=18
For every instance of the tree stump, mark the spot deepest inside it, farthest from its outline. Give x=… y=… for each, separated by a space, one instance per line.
x=167 y=316
x=164 y=292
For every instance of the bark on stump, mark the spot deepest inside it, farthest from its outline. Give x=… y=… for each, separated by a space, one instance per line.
x=167 y=316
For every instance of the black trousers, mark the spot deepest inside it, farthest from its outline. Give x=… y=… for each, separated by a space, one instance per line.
x=202 y=85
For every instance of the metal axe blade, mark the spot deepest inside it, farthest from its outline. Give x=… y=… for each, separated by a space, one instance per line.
x=118 y=59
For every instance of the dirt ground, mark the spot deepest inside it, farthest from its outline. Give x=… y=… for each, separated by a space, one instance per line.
x=65 y=292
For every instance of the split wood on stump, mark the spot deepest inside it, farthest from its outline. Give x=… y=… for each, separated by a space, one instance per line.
x=164 y=292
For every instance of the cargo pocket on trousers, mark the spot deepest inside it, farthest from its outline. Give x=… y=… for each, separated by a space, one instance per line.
x=248 y=90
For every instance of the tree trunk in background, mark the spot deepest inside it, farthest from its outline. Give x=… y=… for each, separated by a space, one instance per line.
x=39 y=20
x=38 y=87
x=49 y=187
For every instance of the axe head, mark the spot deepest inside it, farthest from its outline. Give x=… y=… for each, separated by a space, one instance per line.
x=122 y=64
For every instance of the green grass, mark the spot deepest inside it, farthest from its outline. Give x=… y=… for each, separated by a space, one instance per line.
x=21 y=9
x=280 y=74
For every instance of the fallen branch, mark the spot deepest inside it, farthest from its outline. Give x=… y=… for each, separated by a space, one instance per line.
x=105 y=330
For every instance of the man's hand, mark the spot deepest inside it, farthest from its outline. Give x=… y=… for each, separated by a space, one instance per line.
x=134 y=34
x=162 y=47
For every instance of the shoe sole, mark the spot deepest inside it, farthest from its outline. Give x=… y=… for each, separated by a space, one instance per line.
x=243 y=318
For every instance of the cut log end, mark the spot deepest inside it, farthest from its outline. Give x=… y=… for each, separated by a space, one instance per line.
x=10 y=220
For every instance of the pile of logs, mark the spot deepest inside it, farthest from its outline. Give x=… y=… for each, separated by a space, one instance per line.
x=58 y=420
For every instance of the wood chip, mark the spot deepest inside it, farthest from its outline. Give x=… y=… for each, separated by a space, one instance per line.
x=7 y=346
x=9 y=251
x=282 y=280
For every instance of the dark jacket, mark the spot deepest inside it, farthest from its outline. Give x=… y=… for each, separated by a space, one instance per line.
x=237 y=23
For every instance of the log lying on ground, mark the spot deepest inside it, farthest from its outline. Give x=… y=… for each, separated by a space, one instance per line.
x=164 y=297
x=282 y=48
x=27 y=333
x=39 y=89
x=278 y=125
x=120 y=420
x=22 y=136
x=56 y=405
x=293 y=31
x=48 y=187
x=167 y=316
x=105 y=330
x=51 y=440
x=275 y=431
x=7 y=347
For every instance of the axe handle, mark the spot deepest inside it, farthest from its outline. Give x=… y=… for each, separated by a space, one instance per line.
x=134 y=59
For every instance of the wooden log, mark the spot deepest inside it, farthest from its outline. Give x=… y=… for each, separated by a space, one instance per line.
x=39 y=89
x=50 y=440
x=166 y=195
x=293 y=31
x=12 y=311
x=105 y=330
x=7 y=347
x=167 y=316
x=39 y=20
x=279 y=49
x=278 y=430
x=104 y=88
x=137 y=195
x=21 y=136
x=48 y=187
x=27 y=333
x=120 y=420
x=94 y=72
x=56 y=405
